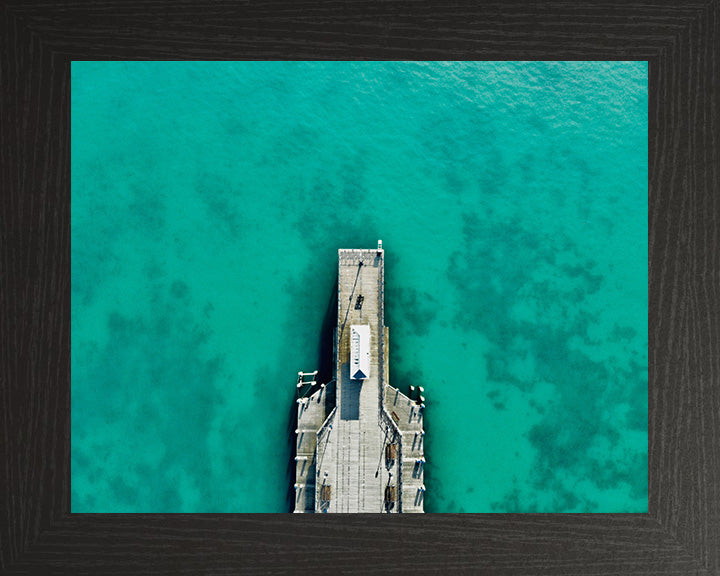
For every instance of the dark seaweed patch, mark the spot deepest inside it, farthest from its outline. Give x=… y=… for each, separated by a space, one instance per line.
x=179 y=289
x=418 y=308
x=490 y=275
x=222 y=201
x=154 y=377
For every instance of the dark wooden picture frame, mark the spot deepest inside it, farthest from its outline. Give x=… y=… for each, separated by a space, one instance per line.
x=680 y=534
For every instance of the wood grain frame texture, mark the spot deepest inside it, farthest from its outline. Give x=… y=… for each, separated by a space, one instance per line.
x=680 y=534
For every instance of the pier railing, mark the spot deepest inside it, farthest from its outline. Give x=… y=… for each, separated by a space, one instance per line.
x=384 y=417
x=390 y=423
x=323 y=431
x=381 y=331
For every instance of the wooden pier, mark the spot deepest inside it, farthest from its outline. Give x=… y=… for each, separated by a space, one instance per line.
x=364 y=451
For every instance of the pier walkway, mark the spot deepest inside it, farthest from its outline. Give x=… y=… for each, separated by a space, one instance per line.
x=364 y=454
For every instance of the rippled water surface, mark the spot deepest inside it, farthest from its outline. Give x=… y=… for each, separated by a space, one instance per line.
x=208 y=204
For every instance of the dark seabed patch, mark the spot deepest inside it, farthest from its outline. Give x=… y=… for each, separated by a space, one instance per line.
x=221 y=198
x=573 y=429
x=179 y=289
x=154 y=380
x=417 y=307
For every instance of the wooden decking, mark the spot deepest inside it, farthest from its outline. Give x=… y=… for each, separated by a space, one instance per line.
x=310 y=417
x=343 y=464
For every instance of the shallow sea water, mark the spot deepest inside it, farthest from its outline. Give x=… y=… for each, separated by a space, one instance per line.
x=208 y=204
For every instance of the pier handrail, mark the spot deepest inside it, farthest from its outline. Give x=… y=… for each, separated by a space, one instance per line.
x=381 y=334
x=327 y=421
x=384 y=416
x=323 y=429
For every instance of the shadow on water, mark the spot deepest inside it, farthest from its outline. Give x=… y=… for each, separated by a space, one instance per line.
x=327 y=338
x=325 y=365
x=290 y=471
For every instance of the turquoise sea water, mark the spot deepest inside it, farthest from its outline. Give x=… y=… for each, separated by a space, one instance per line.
x=208 y=204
